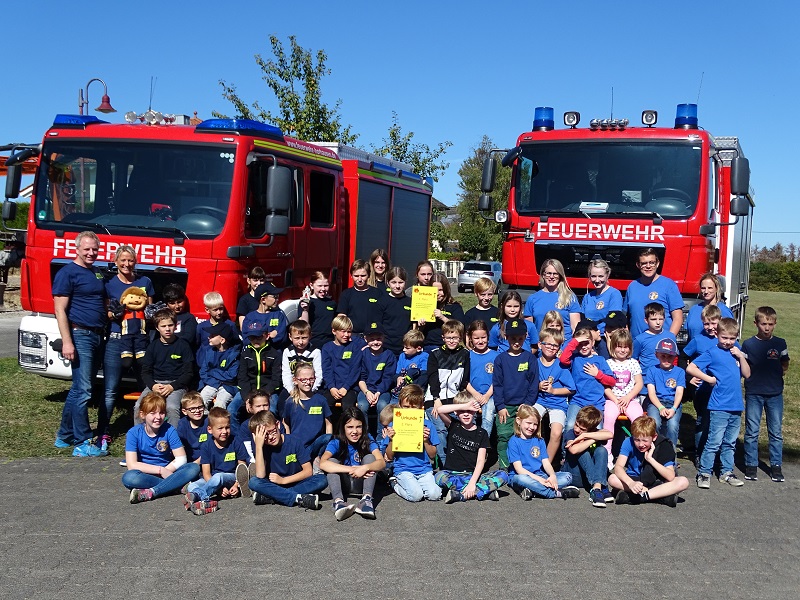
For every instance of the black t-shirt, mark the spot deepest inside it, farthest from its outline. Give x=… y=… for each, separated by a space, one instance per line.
x=246 y=305
x=321 y=312
x=396 y=321
x=463 y=446
x=488 y=316
x=361 y=306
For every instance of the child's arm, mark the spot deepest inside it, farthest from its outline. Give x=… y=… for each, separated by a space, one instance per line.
x=635 y=390
x=430 y=449
x=205 y=471
x=520 y=470
x=586 y=440
x=474 y=405
x=369 y=469
x=666 y=473
x=744 y=366
x=328 y=427
x=694 y=371
x=566 y=354
x=619 y=470
x=286 y=371
x=593 y=370
x=259 y=436
x=551 y=481
x=472 y=486
x=305 y=472
x=286 y=425
x=327 y=465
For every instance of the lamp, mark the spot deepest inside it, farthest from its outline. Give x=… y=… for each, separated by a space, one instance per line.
x=105 y=101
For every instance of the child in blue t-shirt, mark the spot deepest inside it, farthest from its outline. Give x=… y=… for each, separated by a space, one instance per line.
x=586 y=457
x=481 y=368
x=590 y=372
x=723 y=367
x=531 y=473
x=306 y=415
x=413 y=476
x=510 y=309
x=768 y=358
x=351 y=461
x=555 y=387
x=193 y=428
x=219 y=457
x=645 y=469
x=341 y=364
x=284 y=474
x=412 y=363
x=645 y=343
x=665 y=385
x=378 y=368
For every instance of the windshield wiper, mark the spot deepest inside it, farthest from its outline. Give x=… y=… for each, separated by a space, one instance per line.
x=88 y=224
x=639 y=213
x=164 y=229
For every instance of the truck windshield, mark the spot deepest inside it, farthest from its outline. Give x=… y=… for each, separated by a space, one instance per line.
x=619 y=178
x=166 y=189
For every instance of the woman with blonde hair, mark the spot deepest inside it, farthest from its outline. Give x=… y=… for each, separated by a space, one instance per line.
x=554 y=295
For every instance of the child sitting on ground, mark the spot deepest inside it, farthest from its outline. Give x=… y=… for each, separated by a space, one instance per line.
x=645 y=469
x=413 y=476
x=586 y=456
x=351 y=460
x=467 y=446
x=531 y=474
x=219 y=457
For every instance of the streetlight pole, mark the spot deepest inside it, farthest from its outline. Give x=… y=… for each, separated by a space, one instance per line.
x=105 y=102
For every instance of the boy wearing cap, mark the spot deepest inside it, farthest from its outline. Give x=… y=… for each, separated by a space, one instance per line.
x=644 y=344
x=665 y=384
x=515 y=381
x=219 y=365
x=378 y=366
x=269 y=314
x=614 y=320
x=259 y=368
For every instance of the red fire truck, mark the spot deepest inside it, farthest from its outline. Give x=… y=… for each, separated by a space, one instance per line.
x=608 y=190
x=203 y=204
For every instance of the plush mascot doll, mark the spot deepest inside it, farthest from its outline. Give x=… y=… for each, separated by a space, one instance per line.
x=134 y=332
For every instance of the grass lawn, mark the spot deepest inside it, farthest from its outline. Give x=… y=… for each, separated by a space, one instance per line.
x=30 y=406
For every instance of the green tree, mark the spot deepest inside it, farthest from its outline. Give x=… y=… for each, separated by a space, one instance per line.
x=295 y=80
x=490 y=232
x=425 y=160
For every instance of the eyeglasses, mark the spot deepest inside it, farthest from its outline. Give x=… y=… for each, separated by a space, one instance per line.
x=452 y=338
x=648 y=263
x=546 y=345
x=194 y=408
x=306 y=379
x=550 y=274
x=272 y=432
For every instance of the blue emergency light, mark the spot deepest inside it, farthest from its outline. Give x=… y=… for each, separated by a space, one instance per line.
x=686 y=116
x=240 y=126
x=543 y=118
x=75 y=121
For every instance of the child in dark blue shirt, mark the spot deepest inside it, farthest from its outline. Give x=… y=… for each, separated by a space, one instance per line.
x=484 y=289
x=378 y=367
x=341 y=364
x=219 y=365
x=193 y=428
x=768 y=358
x=306 y=414
x=270 y=314
x=395 y=309
x=219 y=456
x=722 y=366
x=412 y=364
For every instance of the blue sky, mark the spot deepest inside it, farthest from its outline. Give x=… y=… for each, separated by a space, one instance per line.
x=451 y=70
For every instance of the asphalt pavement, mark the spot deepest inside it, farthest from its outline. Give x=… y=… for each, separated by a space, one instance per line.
x=70 y=532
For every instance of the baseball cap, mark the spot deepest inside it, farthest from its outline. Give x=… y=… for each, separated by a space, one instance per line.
x=516 y=327
x=587 y=324
x=223 y=329
x=265 y=289
x=616 y=320
x=253 y=328
x=374 y=328
x=667 y=346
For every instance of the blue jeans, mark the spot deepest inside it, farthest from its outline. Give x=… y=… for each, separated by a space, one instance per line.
x=161 y=487
x=668 y=427
x=75 y=415
x=287 y=494
x=317 y=447
x=723 y=429
x=487 y=416
x=235 y=407
x=588 y=467
x=383 y=401
x=526 y=481
x=112 y=373
x=415 y=488
x=572 y=413
x=205 y=489
x=753 y=407
x=441 y=430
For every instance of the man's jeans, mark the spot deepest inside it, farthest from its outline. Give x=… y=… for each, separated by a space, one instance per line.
x=753 y=406
x=75 y=415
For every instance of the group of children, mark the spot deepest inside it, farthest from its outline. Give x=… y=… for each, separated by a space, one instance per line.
x=293 y=408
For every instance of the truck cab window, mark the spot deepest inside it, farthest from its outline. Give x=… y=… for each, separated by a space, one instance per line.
x=321 y=198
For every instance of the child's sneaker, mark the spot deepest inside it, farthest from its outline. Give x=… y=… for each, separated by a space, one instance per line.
x=189 y=498
x=596 y=497
x=365 y=508
x=777 y=474
x=88 y=449
x=731 y=479
x=343 y=511
x=123 y=463
x=309 y=502
x=570 y=491
x=607 y=497
x=138 y=495
x=671 y=500
x=494 y=496
x=751 y=473
x=262 y=499
x=243 y=479
x=453 y=496
x=204 y=507
x=703 y=482
x=526 y=494
x=623 y=497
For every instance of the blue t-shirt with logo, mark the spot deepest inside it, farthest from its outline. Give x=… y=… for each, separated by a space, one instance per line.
x=353 y=457
x=192 y=438
x=726 y=394
x=539 y=304
x=559 y=378
x=156 y=450
x=86 y=290
x=307 y=422
x=530 y=453
x=288 y=458
x=481 y=368
x=596 y=307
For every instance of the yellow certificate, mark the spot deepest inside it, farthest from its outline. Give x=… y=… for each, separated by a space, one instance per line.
x=423 y=302
x=408 y=423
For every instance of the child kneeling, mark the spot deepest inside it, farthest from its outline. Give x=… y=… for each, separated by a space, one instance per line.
x=645 y=469
x=467 y=445
x=283 y=467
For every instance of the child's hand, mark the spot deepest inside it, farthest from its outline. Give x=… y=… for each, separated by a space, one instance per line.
x=582 y=338
x=737 y=354
x=437 y=405
x=696 y=381
x=502 y=415
x=426 y=435
x=260 y=435
x=637 y=487
x=552 y=482
x=421 y=322
x=623 y=402
x=273 y=334
x=667 y=413
x=569 y=443
x=373 y=398
x=648 y=455
x=342 y=393
x=544 y=385
x=335 y=394
x=388 y=432
x=484 y=398
x=360 y=471
x=591 y=369
x=275 y=478
x=469 y=491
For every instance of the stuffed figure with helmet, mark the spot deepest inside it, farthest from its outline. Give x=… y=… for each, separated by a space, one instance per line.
x=134 y=325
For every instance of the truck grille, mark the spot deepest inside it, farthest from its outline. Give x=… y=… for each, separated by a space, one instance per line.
x=576 y=257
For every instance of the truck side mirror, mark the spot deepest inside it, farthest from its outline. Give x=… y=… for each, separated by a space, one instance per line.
x=13 y=182
x=485 y=203
x=279 y=195
x=740 y=206
x=511 y=156
x=740 y=176
x=488 y=177
x=9 y=210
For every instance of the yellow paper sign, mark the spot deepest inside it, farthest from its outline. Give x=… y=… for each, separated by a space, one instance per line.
x=423 y=302
x=407 y=424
